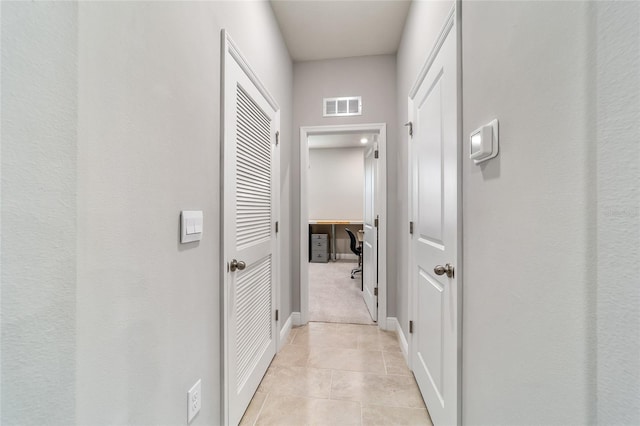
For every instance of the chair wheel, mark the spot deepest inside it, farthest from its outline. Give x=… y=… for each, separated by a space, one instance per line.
x=352 y=277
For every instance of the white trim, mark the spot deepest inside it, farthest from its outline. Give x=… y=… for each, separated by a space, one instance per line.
x=295 y=319
x=305 y=131
x=235 y=53
x=284 y=332
x=391 y=324
x=394 y=325
x=442 y=36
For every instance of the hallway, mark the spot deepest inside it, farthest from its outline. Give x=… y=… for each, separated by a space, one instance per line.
x=155 y=210
x=338 y=374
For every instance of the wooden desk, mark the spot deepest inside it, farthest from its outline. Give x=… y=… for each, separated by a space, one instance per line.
x=333 y=223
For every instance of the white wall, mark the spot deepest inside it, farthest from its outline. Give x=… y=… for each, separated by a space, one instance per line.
x=528 y=270
x=130 y=312
x=336 y=183
x=39 y=145
x=371 y=77
x=617 y=100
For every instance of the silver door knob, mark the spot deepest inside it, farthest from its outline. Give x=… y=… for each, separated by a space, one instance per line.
x=446 y=269
x=235 y=264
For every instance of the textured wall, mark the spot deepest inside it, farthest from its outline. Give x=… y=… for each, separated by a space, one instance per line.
x=148 y=307
x=617 y=100
x=110 y=127
x=39 y=143
x=373 y=78
x=529 y=217
x=529 y=258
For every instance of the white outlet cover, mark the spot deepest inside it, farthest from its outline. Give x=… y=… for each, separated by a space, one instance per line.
x=194 y=400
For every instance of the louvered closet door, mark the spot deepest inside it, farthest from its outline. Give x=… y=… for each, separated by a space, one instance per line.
x=250 y=125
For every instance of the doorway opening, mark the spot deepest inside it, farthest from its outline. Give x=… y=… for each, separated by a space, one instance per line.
x=343 y=187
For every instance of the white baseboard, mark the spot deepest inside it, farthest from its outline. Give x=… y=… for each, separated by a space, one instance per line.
x=393 y=324
x=388 y=324
x=296 y=319
x=284 y=332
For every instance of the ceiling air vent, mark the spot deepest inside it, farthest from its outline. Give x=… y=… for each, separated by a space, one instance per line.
x=339 y=107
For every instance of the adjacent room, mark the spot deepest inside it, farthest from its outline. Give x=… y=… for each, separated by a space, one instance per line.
x=336 y=196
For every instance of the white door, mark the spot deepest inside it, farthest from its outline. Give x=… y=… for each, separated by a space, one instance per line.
x=370 y=243
x=250 y=125
x=434 y=242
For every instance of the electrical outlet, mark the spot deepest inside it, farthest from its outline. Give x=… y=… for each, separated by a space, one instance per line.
x=194 y=400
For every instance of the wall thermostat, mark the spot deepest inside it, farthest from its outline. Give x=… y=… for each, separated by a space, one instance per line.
x=483 y=142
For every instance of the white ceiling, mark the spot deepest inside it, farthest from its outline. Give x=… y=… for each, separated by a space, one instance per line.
x=345 y=140
x=324 y=29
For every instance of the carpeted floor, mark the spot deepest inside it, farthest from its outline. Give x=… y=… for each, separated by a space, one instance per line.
x=334 y=296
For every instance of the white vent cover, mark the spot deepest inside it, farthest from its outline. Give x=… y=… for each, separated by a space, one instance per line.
x=338 y=107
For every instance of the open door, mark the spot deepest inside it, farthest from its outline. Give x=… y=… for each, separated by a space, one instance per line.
x=249 y=174
x=435 y=355
x=370 y=226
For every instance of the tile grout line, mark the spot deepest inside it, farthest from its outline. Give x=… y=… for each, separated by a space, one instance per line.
x=330 y=385
x=260 y=410
x=384 y=362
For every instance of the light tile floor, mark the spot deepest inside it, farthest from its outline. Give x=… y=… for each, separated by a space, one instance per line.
x=338 y=374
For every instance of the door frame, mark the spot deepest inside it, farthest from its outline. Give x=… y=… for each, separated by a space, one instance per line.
x=381 y=192
x=452 y=22
x=229 y=52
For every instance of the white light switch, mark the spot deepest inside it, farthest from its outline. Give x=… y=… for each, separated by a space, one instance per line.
x=190 y=226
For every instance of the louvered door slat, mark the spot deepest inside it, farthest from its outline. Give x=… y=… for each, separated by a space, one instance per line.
x=253 y=172
x=253 y=226
x=253 y=313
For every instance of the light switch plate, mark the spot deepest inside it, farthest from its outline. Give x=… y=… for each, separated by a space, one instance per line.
x=194 y=400
x=191 y=226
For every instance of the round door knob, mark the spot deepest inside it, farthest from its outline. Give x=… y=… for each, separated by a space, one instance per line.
x=446 y=269
x=237 y=264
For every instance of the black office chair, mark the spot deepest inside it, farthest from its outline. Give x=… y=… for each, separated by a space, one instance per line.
x=357 y=250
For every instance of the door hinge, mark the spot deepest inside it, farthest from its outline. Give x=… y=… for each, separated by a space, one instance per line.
x=277 y=315
x=375 y=154
x=411 y=227
x=410 y=125
x=277 y=138
x=277 y=227
x=375 y=222
x=375 y=291
x=410 y=327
